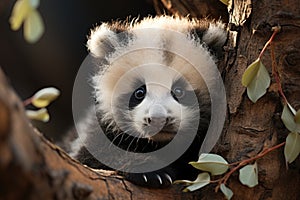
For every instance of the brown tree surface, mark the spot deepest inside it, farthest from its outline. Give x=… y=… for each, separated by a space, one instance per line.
x=250 y=128
x=33 y=168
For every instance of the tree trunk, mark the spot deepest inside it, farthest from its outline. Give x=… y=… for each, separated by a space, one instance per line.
x=194 y=8
x=250 y=128
x=33 y=168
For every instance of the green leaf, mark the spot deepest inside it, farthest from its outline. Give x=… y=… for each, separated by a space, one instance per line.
x=289 y=119
x=40 y=115
x=226 y=191
x=257 y=79
x=33 y=27
x=44 y=97
x=212 y=163
x=202 y=180
x=34 y=3
x=249 y=175
x=291 y=109
x=297 y=117
x=292 y=147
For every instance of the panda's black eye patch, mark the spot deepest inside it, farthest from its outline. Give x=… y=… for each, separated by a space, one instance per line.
x=178 y=93
x=137 y=96
x=178 y=90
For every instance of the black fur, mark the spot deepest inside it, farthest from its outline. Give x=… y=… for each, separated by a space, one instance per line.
x=180 y=169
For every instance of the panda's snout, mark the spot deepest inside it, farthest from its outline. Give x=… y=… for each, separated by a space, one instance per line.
x=157 y=116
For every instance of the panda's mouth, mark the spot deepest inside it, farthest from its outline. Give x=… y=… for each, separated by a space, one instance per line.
x=163 y=132
x=166 y=134
x=163 y=136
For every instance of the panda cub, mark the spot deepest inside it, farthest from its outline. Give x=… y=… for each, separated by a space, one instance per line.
x=151 y=94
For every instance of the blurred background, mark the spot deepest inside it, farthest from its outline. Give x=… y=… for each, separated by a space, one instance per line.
x=56 y=57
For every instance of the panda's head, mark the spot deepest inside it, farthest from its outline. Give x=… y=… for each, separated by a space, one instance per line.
x=148 y=84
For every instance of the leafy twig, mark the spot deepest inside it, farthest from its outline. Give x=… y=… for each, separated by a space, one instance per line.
x=41 y=99
x=242 y=163
x=28 y=101
x=275 y=29
x=276 y=74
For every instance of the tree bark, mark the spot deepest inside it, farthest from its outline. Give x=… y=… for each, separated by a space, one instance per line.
x=194 y=8
x=250 y=128
x=31 y=167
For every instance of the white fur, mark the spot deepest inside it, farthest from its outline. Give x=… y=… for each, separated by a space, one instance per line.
x=146 y=47
x=213 y=33
x=98 y=36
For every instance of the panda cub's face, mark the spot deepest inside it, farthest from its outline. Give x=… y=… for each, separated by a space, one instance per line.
x=153 y=101
x=149 y=82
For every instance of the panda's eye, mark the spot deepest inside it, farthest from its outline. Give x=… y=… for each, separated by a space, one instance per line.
x=178 y=93
x=137 y=96
x=140 y=93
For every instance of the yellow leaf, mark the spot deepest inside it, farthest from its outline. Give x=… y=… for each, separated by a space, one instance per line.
x=44 y=97
x=20 y=11
x=250 y=73
x=33 y=27
x=40 y=115
x=226 y=2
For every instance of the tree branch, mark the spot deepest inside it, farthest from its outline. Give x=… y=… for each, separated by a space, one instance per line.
x=31 y=167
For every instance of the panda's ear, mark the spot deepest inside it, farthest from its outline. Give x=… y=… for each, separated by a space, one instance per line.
x=213 y=34
x=105 y=38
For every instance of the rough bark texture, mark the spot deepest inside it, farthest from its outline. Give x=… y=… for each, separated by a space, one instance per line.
x=252 y=127
x=31 y=167
x=194 y=8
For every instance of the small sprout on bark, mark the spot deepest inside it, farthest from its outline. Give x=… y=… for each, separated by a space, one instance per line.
x=41 y=99
x=40 y=115
x=44 y=97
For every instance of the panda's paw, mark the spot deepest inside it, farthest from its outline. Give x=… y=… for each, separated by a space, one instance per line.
x=157 y=179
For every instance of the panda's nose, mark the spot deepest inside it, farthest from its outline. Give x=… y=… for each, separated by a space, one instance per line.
x=157 y=116
x=156 y=121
